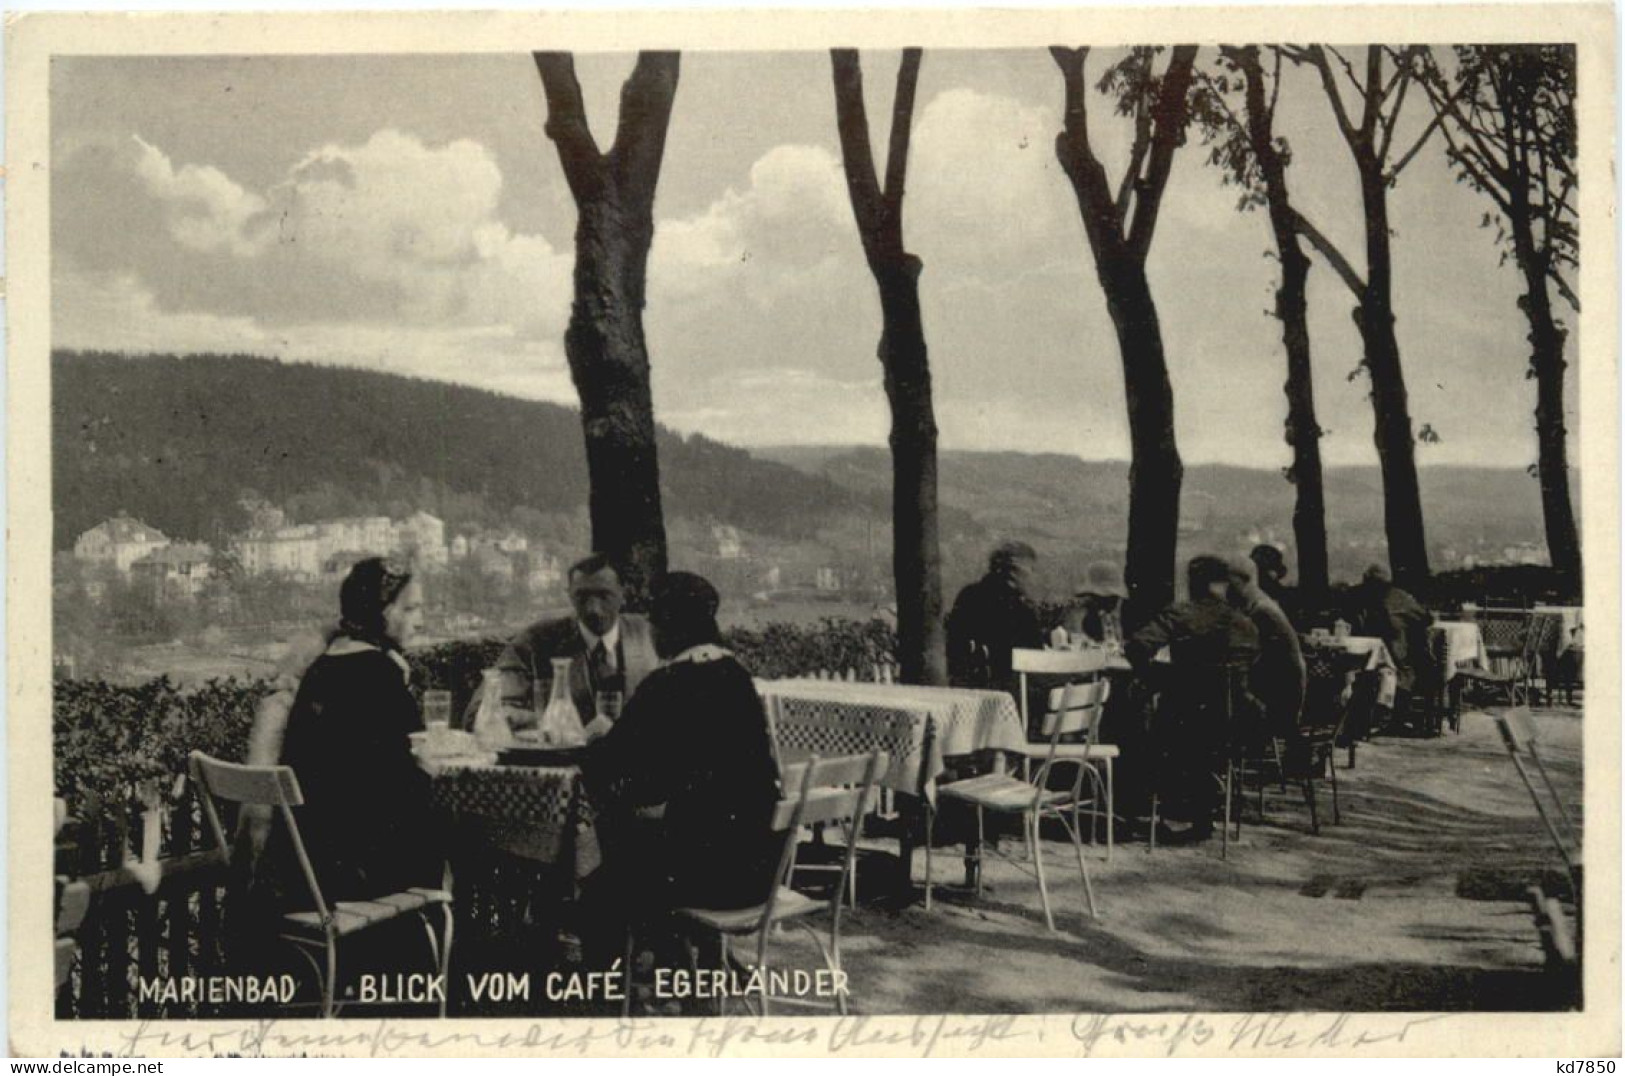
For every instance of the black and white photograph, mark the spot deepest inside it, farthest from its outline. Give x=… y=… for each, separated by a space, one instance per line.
x=814 y=532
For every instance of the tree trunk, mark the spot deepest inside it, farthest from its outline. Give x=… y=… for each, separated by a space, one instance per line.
x=1155 y=473
x=1291 y=307
x=1546 y=339
x=878 y=210
x=604 y=344
x=1395 y=440
x=609 y=364
x=916 y=552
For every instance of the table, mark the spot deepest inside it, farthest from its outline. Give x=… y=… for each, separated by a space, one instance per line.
x=1378 y=660
x=918 y=727
x=540 y=813
x=1459 y=645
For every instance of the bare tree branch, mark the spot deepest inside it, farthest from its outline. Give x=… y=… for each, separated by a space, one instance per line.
x=1372 y=111
x=1348 y=69
x=1315 y=56
x=1427 y=132
x=567 y=123
x=1172 y=111
x=640 y=132
x=1333 y=256
x=857 y=159
x=1136 y=161
x=902 y=123
x=1076 y=156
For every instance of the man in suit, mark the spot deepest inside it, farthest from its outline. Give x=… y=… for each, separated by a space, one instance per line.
x=609 y=650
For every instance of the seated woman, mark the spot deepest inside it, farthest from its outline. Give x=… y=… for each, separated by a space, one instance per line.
x=365 y=822
x=694 y=739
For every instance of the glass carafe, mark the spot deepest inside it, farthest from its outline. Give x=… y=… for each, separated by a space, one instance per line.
x=490 y=723
x=560 y=725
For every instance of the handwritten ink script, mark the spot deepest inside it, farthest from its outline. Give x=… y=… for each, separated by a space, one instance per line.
x=923 y=1036
x=1248 y=1033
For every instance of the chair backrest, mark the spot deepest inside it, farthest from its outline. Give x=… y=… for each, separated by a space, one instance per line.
x=1086 y=662
x=265 y=786
x=1504 y=630
x=1093 y=698
x=840 y=788
x=1327 y=687
x=1077 y=708
x=1539 y=630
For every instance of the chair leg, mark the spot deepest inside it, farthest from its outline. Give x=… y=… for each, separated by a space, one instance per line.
x=1111 y=809
x=331 y=980
x=1038 y=859
x=1151 y=838
x=1314 y=813
x=629 y=963
x=930 y=828
x=1337 y=815
x=1224 y=833
x=1083 y=869
x=981 y=843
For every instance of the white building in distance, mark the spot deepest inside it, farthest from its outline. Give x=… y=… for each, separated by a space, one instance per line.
x=118 y=543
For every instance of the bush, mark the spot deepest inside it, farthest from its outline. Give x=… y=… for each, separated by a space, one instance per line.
x=780 y=650
x=109 y=740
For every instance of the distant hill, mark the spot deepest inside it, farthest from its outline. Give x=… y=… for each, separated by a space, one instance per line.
x=176 y=441
x=1066 y=503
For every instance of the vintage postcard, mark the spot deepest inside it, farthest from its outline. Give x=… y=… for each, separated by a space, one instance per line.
x=1081 y=533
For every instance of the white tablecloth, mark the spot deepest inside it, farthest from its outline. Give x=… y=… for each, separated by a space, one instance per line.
x=918 y=727
x=1459 y=645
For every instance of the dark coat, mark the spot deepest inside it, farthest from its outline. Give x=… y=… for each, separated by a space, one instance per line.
x=365 y=822
x=1279 y=676
x=1400 y=621
x=694 y=738
x=990 y=618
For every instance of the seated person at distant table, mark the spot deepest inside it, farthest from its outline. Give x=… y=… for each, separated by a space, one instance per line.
x=1207 y=638
x=990 y=618
x=609 y=650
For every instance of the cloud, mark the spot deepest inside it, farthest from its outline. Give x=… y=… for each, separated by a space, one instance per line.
x=983 y=181
x=390 y=228
x=204 y=209
x=788 y=230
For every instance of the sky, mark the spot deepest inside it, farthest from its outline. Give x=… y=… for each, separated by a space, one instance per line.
x=409 y=214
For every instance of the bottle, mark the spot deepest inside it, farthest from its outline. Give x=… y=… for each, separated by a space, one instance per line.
x=560 y=725
x=490 y=724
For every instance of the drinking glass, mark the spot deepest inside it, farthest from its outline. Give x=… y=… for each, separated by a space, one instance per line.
x=609 y=703
x=436 y=709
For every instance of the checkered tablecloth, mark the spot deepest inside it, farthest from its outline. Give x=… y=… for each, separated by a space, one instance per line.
x=918 y=727
x=1458 y=644
x=538 y=812
x=1377 y=660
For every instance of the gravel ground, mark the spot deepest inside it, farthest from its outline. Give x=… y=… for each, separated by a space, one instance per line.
x=1415 y=902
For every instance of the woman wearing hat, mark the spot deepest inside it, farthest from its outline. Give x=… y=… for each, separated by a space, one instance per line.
x=1098 y=611
x=365 y=822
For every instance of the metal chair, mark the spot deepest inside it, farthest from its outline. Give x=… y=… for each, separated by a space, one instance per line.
x=1007 y=794
x=1327 y=698
x=1227 y=681
x=829 y=790
x=320 y=930
x=1078 y=708
x=1513 y=641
